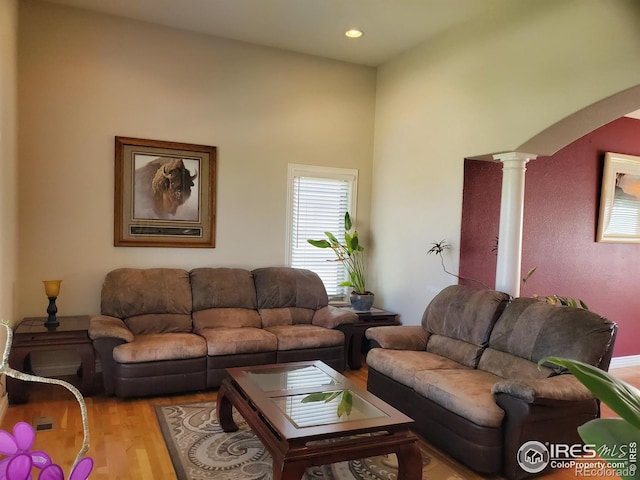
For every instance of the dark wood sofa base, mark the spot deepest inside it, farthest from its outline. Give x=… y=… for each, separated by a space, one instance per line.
x=160 y=378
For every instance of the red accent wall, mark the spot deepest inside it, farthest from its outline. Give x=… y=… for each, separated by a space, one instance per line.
x=562 y=197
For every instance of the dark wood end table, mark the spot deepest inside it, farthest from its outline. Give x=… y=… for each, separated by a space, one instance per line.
x=32 y=336
x=295 y=410
x=358 y=344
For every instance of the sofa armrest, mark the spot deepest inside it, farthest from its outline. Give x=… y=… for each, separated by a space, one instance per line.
x=547 y=410
x=103 y=326
x=331 y=317
x=560 y=387
x=399 y=337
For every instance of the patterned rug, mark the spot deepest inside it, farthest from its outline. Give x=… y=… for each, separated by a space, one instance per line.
x=199 y=449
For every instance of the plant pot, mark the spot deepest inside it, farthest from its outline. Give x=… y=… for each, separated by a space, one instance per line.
x=362 y=302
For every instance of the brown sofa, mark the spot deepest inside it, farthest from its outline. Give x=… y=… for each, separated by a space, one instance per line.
x=468 y=374
x=166 y=330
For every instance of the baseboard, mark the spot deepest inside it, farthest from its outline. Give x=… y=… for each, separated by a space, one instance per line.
x=628 y=361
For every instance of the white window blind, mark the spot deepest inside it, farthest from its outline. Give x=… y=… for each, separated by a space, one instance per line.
x=319 y=197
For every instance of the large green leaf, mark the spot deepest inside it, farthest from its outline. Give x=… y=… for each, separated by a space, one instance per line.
x=348 y=239
x=622 y=398
x=346 y=402
x=319 y=243
x=347 y=221
x=316 y=397
x=332 y=238
x=613 y=437
x=354 y=242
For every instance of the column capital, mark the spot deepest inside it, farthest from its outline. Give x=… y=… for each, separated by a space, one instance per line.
x=511 y=156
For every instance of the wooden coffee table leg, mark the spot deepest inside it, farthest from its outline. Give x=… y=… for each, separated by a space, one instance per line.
x=287 y=470
x=224 y=409
x=409 y=462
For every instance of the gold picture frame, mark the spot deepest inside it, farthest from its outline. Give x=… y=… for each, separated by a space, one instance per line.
x=619 y=219
x=165 y=194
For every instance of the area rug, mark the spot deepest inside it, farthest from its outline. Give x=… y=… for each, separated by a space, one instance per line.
x=200 y=449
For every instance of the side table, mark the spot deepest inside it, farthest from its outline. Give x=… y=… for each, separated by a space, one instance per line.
x=32 y=336
x=372 y=318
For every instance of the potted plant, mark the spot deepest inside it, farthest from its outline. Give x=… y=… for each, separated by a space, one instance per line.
x=350 y=254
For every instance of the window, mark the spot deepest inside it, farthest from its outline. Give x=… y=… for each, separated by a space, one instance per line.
x=318 y=199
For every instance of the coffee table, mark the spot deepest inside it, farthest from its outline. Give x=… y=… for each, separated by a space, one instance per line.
x=306 y=414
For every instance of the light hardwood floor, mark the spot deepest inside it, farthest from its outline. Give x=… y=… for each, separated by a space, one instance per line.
x=126 y=443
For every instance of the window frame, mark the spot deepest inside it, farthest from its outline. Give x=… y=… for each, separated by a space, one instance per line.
x=316 y=171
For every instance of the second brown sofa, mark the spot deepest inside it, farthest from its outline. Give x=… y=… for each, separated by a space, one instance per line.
x=166 y=330
x=469 y=375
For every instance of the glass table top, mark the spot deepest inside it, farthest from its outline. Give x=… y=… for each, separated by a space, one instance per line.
x=290 y=378
x=325 y=408
x=302 y=400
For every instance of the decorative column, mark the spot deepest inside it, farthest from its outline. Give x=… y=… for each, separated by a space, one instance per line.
x=509 y=268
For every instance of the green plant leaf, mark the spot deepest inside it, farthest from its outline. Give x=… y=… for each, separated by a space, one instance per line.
x=528 y=275
x=345 y=284
x=347 y=221
x=332 y=238
x=348 y=241
x=622 y=398
x=607 y=434
x=355 y=245
x=584 y=305
x=319 y=243
x=316 y=397
x=346 y=403
x=347 y=399
x=331 y=396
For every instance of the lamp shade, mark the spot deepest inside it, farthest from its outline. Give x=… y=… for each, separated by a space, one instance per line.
x=52 y=287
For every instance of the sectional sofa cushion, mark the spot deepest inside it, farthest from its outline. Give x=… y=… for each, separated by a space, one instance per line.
x=464 y=391
x=233 y=340
x=223 y=297
x=530 y=330
x=402 y=365
x=297 y=337
x=272 y=317
x=458 y=322
x=300 y=292
x=156 y=300
x=153 y=347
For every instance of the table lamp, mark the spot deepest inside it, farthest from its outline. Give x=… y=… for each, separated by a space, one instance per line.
x=52 y=289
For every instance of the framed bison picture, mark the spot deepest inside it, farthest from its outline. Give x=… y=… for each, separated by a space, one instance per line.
x=165 y=194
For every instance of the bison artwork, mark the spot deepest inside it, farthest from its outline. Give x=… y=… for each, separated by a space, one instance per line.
x=162 y=186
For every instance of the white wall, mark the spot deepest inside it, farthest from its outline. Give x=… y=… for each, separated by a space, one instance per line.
x=485 y=87
x=86 y=78
x=9 y=161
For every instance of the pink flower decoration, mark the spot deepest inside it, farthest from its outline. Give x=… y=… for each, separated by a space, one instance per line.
x=20 y=459
x=20 y=443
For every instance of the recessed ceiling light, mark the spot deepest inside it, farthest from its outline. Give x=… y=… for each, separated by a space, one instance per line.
x=353 y=33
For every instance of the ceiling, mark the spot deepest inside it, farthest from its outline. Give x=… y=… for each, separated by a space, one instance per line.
x=313 y=27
